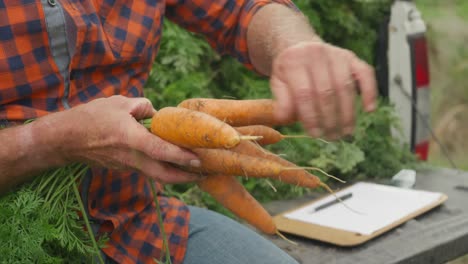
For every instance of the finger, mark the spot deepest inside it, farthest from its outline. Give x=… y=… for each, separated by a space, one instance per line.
x=345 y=91
x=301 y=85
x=158 y=149
x=284 y=108
x=160 y=171
x=117 y=158
x=365 y=76
x=141 y=108
x=326 y=93
x=167 y=174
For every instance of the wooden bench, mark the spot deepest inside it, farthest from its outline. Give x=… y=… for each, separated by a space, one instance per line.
x=435 y=237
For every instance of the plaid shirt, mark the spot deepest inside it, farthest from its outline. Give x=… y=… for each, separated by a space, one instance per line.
x=110 y=45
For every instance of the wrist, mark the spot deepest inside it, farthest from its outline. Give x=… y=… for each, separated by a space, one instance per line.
x=300 y=32
x=274 y=29
x=47 y=141
x=286 y=44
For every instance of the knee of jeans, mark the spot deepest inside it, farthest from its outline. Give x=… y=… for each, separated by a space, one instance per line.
x=203 y=218
x=205 y=223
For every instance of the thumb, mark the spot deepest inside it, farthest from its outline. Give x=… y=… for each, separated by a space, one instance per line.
x=141 y=108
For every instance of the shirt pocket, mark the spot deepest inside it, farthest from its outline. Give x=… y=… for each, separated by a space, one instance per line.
x=25 y=65
x=23 y=34
x=131 y=26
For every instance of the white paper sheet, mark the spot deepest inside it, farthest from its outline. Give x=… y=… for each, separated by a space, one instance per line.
x=377 y=206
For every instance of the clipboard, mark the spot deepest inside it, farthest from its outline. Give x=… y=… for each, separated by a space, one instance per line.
x=347 y=234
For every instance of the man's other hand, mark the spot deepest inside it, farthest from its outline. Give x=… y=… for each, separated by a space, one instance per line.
x=317 y=83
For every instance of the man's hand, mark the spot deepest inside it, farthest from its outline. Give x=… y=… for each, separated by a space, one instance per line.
x=311 y=80
x=316 y=82
x=106 y=132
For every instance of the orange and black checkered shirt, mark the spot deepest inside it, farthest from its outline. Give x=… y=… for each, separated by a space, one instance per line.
x=109 y=47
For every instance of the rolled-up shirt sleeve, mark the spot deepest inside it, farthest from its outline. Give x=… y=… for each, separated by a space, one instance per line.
x=223 y=22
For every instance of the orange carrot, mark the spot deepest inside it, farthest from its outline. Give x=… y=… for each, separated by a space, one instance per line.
x=237 y=112
x=232 y=195
x=298 y=177
x=192 y=129
x=221 y=161
x=268 y=135
x=252 y=149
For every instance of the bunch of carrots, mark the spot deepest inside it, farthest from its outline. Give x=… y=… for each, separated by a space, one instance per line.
x=229 y=144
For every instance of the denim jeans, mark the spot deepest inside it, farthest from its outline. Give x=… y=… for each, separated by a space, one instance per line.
x=217 y=239
x=214 y=238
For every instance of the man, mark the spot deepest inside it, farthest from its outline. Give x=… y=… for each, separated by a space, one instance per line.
x=61 y=62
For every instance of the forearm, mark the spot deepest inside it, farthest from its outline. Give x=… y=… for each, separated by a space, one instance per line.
x=104 y=132
x=26 y=151
x=272 y=29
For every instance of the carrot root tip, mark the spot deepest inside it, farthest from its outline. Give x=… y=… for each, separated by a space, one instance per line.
x=326 y=187
x=278 y=233
x=327 y=174
x=271 y=186
x=316 y=169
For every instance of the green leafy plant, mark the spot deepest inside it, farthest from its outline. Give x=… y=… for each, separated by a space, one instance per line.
x=41 y=224
x=372 y=152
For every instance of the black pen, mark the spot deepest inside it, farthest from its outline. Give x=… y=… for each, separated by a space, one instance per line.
x=335 y=201
x=461 y=188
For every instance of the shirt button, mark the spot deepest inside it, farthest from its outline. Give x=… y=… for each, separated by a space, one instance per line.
x=52 y=2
